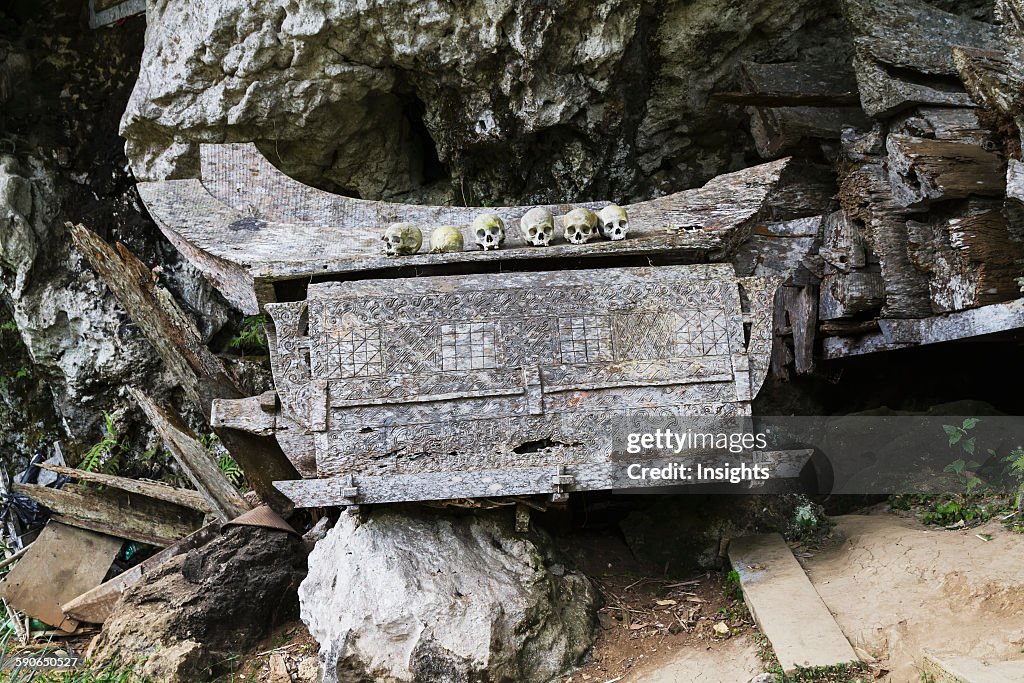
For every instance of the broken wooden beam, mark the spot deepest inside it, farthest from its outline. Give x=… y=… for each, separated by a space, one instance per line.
x=994 y=78
x=117 y=513
x=190 y=454
x=866 y=196
x=200 y=372
x=785 y=606
x=64 y=561
x=95 y=605
x=972 y=257
x=923 y=170
x=171 y=494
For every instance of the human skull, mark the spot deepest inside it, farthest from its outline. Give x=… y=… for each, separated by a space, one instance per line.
x=580 y=225
x=537 y=226
x=614 y=222
x=402 y=239
x=445 y=239
x=489 y=231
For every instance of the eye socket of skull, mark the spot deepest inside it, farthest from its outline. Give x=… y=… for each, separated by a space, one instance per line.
x=481 y=232
x=533 y=232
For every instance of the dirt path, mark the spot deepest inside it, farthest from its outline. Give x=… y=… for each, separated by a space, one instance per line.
x=897 y=588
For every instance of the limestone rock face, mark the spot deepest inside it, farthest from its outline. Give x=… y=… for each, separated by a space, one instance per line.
x=501 y=99
x=406 y=596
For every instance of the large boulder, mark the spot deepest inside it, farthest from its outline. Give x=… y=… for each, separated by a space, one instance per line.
x=513 y=100
x=414 y=596
x=199 y=609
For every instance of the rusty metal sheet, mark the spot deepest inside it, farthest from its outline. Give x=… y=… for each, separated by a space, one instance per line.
x=474 y=373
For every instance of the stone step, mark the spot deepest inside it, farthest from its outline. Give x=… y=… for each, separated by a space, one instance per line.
x=950 y=668
x=785 y=605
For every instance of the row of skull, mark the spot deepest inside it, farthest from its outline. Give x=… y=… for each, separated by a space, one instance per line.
x=537 y=227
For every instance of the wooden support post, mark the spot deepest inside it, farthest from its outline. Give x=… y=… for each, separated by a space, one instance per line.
x=201 y=373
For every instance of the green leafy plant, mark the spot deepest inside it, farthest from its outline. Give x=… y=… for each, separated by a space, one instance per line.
x=1015 y=467
x=225 y=463
x=252 y=338
x=732 y=587
x=104 y=456
x=965 y=469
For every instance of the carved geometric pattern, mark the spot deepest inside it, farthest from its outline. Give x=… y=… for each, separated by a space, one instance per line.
x=355 y=352
x=413 y=349
x=702 y=333
x=529 y=341
x=584 y=339
x=644 y=335
x=468 y=346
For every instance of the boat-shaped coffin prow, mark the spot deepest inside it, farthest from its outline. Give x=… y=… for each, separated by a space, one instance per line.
x=247 y=225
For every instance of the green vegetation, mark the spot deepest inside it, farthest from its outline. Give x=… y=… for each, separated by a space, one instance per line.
x=978 y=502
x=225 y=462
x=853 y=672
x=105 y=456
x=251 y=339
x=732 y=588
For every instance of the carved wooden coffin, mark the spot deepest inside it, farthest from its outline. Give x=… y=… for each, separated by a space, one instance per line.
x=487 y=385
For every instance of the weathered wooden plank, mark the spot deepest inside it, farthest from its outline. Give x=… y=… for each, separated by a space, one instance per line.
x=801 y=309
x=959 y=325
x=152 y=489
x=840 y=328
x=922 y=170
x=788 y=610
x=203 y=376
x=899 y=334
x=866 y=196
x=805 y=190
x=780 y=129
x=994 y=78
x=850 y=284
x=194 y=459
x=95 y=605
x=903 y=53
x=117 y=513
x=303 y=232
x=62 y=562
x=106 y=12
x=349 y=490
x=972 y=257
